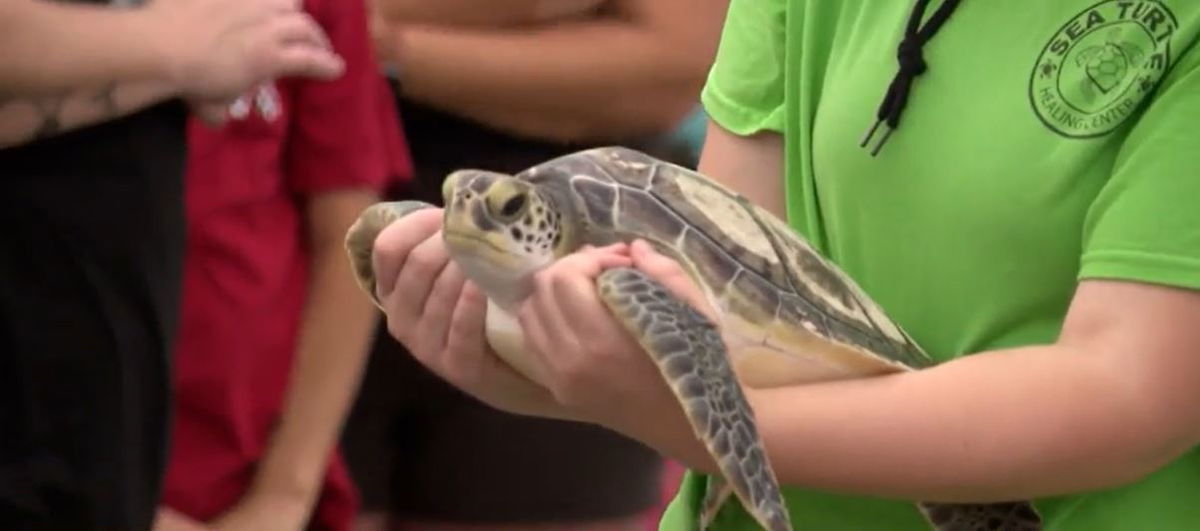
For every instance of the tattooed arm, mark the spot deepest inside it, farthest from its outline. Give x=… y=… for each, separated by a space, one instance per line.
x=67 y=66
x=53 y=51
x=53 y=47
x=35 y=118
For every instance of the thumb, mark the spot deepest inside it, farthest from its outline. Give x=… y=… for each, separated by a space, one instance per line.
x=591 y=264
x=619 y=248
x=652 y=262
x=590 y=261
x=308 y=61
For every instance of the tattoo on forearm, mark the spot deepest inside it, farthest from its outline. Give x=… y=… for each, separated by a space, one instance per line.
x=52 y=119
x=49 y=112
x=108 y=99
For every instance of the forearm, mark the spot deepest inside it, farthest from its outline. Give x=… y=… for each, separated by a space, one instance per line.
x=492 y=13
x=1002 y=425
x=554 y=82
x=55 y=48
x=334 y=342
x=168 y=519
x=34 y=118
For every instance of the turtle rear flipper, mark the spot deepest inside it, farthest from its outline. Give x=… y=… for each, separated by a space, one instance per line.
x=691 y=355
x=1010 y=516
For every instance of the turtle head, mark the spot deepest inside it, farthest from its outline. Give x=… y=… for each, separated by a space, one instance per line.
x=501 y=230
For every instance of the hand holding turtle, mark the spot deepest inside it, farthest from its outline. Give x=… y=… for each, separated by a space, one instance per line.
x=652 y=360
x=438 y=316
x=592 y=364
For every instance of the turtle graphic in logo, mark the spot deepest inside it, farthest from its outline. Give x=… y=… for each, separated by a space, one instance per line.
x=1096 y=70
x=1108 y=64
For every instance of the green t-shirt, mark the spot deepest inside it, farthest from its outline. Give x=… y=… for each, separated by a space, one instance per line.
x=1048 y=142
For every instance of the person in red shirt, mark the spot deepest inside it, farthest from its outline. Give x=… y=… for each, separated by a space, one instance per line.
x=274 y=333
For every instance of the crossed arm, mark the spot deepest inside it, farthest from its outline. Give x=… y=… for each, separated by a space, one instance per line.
x=634 y=70
x=494 y=13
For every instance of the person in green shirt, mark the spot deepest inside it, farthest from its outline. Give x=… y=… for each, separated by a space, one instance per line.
x=1024 y=210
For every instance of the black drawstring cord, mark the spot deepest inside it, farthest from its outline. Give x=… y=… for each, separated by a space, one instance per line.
x=912 y=64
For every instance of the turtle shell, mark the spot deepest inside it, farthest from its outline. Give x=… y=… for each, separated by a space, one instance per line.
x=788 y=313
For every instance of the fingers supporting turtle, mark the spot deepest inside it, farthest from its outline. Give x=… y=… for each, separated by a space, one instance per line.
x=690 y=354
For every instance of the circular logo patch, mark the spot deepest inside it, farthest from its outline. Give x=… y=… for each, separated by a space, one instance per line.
x=1100 y=65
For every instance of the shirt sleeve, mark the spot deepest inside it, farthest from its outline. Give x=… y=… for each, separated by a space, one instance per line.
x=345 y=133
x=1145 y=225
x=745 y=87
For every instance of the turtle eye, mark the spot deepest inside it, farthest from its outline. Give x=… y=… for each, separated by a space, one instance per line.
x=513 y=206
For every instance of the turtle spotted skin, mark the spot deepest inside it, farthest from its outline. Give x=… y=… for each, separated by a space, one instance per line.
x=784 y=314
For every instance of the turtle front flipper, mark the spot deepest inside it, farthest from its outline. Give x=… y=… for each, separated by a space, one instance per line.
x=360 y=238
x=1010 y=516
x=692 y=357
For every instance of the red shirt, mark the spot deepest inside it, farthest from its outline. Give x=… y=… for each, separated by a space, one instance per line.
x=246 y=269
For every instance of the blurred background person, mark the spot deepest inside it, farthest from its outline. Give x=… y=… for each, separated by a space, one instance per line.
x=92 y=109
x=505 y=85
x=274 y=331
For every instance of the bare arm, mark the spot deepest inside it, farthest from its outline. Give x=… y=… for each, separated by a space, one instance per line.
x=1112 y=400
x=335 y=337
x=68 y=66
x=34 y=118
x=169 y=519
x=488 y=13
x=54 y=48
x=1115 y=397
x=636 y=71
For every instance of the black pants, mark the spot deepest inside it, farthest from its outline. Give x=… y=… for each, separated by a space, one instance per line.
x=90 y=265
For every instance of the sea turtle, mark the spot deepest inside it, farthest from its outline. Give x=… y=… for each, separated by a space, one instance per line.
x=786 y=315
